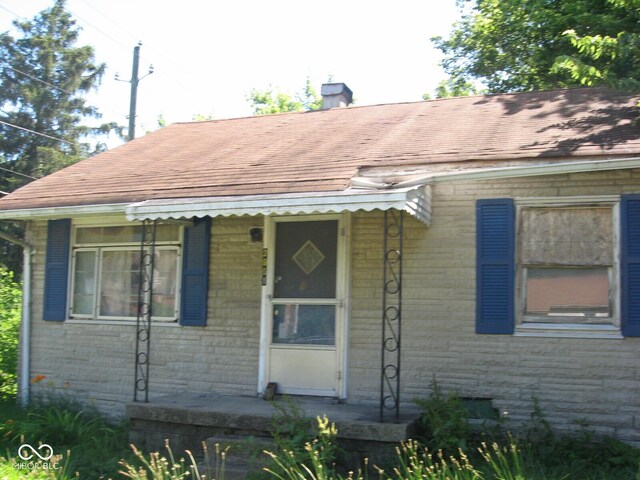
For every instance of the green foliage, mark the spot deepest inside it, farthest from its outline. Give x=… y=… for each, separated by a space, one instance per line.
x=603 y=54
x=413 y=462
x=10 y=309
x=45 y=78
x=291 y=466
x=444 y=421
x=61 y=426
x=454 y=87
x=293 y=431
x=522 y=45
x=416 y=462
x=267 y=102
x=291 y=428
x=504 y=462
x=61 y=470
x=583 y=454
x=93 y=447
x=270 y=101
x=541 y=454
x=159 y=467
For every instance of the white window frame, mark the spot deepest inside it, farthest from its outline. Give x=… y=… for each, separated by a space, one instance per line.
x=530 y=325
x=175 y=245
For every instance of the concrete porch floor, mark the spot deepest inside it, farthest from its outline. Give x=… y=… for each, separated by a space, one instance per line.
x=187 y=419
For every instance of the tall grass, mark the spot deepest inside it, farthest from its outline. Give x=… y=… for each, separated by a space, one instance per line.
x=86 y=443
x=88 y=447
x=165 y=467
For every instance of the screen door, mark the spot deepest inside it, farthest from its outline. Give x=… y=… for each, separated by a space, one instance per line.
x=304 y=310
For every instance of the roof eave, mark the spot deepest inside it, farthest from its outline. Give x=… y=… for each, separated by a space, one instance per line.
x=49 y=213
x=374 y=194
x=495 y=173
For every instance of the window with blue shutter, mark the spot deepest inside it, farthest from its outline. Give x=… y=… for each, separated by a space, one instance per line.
x=57 y=270
x=630 y=264
x=495 y=237
x=195 y=273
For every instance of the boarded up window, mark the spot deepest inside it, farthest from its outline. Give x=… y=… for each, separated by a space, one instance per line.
x=566 y=236
x=567 y=255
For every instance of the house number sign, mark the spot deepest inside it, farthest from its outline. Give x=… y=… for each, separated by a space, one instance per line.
x=265 y=254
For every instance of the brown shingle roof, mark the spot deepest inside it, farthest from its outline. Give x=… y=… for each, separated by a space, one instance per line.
x=321 y=151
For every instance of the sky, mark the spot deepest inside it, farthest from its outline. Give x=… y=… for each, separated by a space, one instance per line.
x=208 y=55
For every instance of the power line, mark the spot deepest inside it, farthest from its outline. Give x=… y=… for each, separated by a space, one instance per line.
x=157 y=51
x=12 y=13
x=133 y=37
x=6 y=65
x=99 y=30
x=41 y=134
x=118 y=113
x=18 y=173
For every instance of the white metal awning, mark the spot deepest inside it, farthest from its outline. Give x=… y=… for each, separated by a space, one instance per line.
x=415 y=201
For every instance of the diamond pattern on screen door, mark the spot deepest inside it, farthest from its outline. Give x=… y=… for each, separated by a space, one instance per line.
x=308 y=257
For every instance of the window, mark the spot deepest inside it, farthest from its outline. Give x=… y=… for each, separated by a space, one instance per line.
x=570 y=268
x=567 y=264
x=107 y=271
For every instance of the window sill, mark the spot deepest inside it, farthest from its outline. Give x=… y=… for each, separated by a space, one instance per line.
x=133 y=323
x=567 y=330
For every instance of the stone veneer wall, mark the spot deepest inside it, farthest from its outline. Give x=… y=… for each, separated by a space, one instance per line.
x=574 y=380
x=94 y=362
x=591 y=381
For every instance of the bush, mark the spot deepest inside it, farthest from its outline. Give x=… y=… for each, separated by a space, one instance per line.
x=10 y=308
x=87 y=443
x=292 y=430
x=443 y=423
x=300 y=440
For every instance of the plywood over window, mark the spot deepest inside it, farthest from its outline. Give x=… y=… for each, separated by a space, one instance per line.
x=566 y=236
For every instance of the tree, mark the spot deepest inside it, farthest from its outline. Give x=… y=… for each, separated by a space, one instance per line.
x=266 y=102
x=44 y=77
x=43 y=114
x=515 y=45
x=454 y=87
x=610 y=60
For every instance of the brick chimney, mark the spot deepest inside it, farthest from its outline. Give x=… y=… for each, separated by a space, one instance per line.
x=335 y=95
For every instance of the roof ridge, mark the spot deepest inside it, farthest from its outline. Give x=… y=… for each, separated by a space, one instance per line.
x=374 y=105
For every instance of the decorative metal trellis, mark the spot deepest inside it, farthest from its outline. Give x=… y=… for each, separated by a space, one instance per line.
x=391 y=314
x=145 y=303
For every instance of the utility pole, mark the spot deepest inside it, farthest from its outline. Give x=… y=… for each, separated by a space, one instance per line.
x=134 y=90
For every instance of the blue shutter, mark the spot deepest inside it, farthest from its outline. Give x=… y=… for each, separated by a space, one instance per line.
x=630 y=264
x=495 y=272
x=195 y=274
x=57 y=270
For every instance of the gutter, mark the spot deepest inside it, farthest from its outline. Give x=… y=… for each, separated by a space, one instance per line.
x=385 y=183
x=25 y=324
x=48 y=213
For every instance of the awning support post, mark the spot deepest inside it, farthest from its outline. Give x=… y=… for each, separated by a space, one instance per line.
x=391 y=314
x=145 y=311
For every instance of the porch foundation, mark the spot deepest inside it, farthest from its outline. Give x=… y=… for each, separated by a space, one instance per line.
x=186 y=420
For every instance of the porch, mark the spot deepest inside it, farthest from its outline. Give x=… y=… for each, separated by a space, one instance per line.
x=187 y=419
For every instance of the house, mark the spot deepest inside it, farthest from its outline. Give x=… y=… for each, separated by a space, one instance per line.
x=489 y=242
